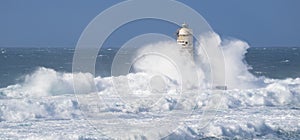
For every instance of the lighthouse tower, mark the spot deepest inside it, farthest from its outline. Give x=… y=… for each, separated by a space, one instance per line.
x=185 y=38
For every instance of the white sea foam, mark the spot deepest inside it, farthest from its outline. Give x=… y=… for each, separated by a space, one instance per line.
x=36 y=99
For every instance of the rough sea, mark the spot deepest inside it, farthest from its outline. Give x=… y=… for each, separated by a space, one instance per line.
x=37 y=100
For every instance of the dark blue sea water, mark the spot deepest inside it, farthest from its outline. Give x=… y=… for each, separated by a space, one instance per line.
x=272 y=62
x=276 y=62
x=36 y=98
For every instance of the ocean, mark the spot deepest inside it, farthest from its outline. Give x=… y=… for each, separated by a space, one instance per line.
x=37 y=98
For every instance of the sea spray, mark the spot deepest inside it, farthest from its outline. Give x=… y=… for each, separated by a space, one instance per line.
x=167 y=59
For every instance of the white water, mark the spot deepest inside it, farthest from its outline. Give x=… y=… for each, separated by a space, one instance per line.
x=252 y=107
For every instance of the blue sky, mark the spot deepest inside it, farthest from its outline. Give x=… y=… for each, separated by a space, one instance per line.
x=262 y=23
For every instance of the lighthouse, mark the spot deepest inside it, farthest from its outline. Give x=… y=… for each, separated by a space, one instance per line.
x=185 y=39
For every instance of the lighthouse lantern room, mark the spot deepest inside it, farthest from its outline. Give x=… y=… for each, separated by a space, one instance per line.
x=185 y=38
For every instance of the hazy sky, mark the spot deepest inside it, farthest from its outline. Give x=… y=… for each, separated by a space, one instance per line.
x=261 y=23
